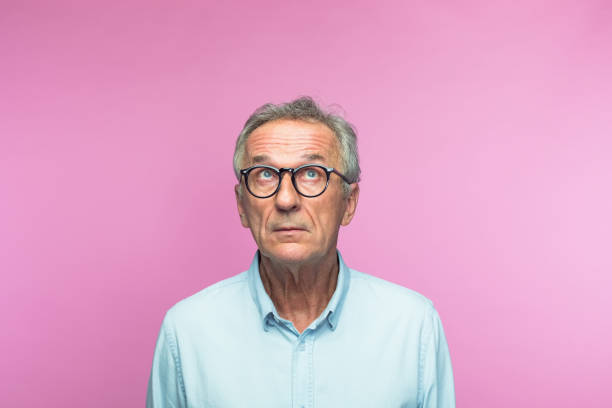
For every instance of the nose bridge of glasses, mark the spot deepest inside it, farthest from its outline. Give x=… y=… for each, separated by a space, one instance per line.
x=282 y=170
x=291 y=172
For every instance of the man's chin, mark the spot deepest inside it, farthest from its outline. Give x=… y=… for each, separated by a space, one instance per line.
x=289 y=254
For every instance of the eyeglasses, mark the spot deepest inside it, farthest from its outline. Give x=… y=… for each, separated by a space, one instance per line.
x=309 y=180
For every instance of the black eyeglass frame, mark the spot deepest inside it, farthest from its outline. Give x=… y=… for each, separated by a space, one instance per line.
x=292 y=170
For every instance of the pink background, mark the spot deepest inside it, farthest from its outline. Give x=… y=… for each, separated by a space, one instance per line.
x=485 y=134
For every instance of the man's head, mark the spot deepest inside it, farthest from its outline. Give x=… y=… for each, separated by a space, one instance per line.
x=287 y=226
x=306 y=110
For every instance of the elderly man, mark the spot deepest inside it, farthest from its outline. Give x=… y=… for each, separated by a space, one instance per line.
x=299 y=328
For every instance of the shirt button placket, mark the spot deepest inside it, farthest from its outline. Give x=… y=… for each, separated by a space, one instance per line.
x=302 y=376
x=310 y=377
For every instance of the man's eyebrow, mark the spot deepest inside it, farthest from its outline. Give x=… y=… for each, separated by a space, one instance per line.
x=260 y=158
x=314 y=157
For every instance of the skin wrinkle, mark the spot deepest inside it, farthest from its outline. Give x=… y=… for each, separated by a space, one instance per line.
x=299 y=269
x=297 y=292
x=299 y=144
x=311 y=158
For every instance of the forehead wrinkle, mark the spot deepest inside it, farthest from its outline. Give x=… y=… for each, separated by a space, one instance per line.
x=270 y=146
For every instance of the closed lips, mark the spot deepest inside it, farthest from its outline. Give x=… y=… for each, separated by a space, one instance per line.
x=288 y=228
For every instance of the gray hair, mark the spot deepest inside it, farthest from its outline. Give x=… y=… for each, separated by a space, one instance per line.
x=304 y=109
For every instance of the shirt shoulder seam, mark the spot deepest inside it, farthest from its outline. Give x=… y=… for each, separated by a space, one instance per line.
x=375 y=280
x=425 y=340
x=177 y=361
x=233 y=280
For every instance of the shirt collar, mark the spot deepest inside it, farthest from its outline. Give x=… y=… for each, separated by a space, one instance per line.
x=268 y=312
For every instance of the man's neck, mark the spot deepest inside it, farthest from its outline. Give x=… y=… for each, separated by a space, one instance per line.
x=300 y=293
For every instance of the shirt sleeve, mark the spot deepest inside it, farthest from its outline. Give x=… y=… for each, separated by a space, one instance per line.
x=166 y=388
x=438 y=389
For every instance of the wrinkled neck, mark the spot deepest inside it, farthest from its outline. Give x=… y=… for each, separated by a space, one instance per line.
x=300 y=293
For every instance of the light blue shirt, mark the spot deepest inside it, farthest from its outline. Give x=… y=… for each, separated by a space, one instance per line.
x=376 y=344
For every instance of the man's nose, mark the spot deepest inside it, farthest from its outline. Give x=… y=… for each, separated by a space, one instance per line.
x=286 y=197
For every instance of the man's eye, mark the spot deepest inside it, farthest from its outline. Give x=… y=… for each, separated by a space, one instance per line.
x=266 y=174
x=311 y=174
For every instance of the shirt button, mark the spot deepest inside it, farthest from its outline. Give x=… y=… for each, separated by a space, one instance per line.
x=302 y=347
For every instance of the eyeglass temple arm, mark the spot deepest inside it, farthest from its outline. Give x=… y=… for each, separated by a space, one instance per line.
x=342 y=176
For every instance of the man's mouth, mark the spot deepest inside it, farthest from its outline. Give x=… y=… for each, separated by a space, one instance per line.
x=288 y=228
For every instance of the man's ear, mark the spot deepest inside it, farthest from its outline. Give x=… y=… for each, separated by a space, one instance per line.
x=243 y=218
x=351 y=205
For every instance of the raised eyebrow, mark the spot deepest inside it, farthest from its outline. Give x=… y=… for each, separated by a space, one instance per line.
x=262 y=158
x=314 y=157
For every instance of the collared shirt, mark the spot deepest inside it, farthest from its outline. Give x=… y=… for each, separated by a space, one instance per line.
x=376 y=344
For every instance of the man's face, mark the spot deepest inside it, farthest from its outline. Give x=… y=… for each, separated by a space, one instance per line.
x=287 y=227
